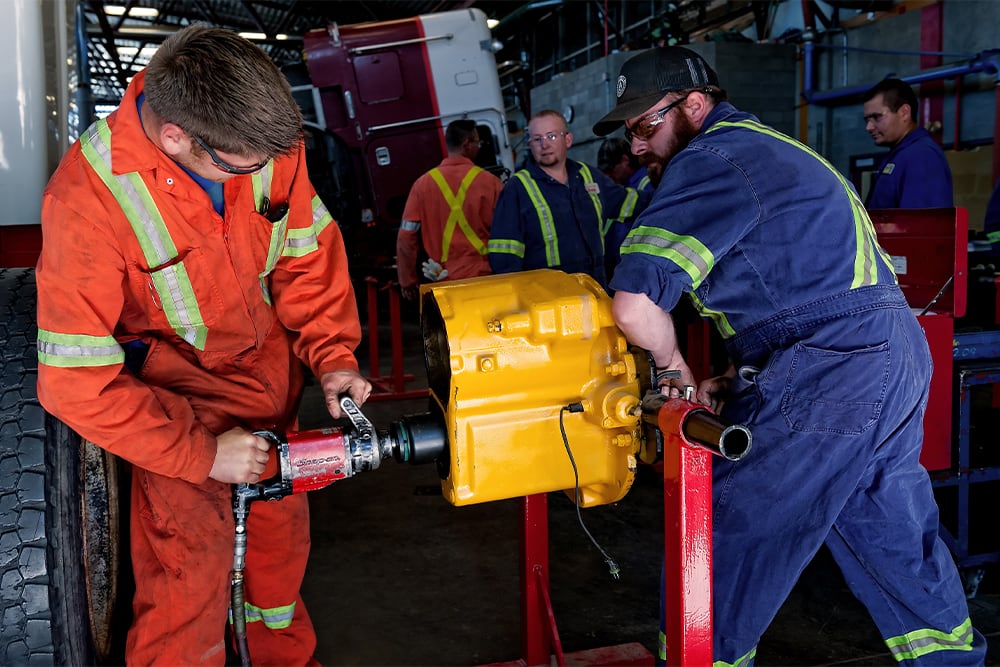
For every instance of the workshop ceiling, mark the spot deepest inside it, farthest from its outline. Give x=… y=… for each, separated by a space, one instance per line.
x=122 y=34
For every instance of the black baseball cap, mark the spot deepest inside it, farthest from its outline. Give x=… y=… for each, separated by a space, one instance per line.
x=647 y=77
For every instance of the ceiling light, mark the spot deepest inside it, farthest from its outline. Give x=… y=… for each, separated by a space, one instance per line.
x=492 y=23
x=252 y=35
x=135 y=12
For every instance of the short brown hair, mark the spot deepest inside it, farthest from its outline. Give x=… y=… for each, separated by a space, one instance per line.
x=551 y=113
x=217 y=85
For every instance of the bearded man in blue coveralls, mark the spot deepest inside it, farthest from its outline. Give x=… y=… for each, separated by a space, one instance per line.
x=551 y=213
x=829 y=366
x=915 y=172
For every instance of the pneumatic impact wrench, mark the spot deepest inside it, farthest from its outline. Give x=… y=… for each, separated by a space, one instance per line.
x=311 y=460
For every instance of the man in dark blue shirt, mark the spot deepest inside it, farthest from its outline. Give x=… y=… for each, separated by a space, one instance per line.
x=774 y=246
x=552 y=213
x=914 y=173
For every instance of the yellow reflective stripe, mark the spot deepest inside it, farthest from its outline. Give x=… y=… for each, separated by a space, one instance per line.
x=868 y=250
x=742 y=661
x=321 y=215
x=993 y=237
x=172 y=283
x=75 y=350
x=643 y=182
x=544 y=220
x=275 y=618
x=304 y=240
x=661 y=646
x=628 y=206
x=687 y=252
x=261 y=183
x=912 y=645
x=457 y=215
x=595 y=196
x=506 y=247
x=721 y=321
x=131 y=195
x=626 y=210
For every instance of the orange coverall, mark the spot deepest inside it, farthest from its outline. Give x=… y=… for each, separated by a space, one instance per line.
x=425 y=219
x=228 y=306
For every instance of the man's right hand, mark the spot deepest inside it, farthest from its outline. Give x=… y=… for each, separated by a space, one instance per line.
x=240 y=457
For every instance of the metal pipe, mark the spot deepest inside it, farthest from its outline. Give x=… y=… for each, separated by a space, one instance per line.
x=696 y=425
x=986 y=61
x=730 y=441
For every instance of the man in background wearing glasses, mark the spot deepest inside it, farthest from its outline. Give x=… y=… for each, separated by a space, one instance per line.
x=448 y=211
x=829 y=366
x=914 y=173
x=553 y=213
x=188 y=268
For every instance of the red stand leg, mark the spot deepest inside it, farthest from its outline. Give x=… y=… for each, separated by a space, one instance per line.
x=687 y=542
x=392 y=386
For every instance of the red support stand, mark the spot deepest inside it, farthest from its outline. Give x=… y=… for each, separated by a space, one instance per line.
x=540 y=643
x=393 y=386
x=687 y=540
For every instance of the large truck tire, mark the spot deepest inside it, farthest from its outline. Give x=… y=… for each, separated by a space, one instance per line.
x=61 y=561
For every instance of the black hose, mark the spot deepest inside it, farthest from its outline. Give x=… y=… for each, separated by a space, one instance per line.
x=240 y=620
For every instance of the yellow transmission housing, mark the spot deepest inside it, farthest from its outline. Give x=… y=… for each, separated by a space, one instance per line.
x=504 y=354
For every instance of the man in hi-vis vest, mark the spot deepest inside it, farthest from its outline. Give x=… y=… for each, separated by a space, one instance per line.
x=188 y=270
x=449 y=210
x=552 y=213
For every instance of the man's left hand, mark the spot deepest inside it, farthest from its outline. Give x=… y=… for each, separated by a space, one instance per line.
x=340 y=382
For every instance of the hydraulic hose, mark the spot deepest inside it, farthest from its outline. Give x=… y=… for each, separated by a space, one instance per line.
x=242 y=497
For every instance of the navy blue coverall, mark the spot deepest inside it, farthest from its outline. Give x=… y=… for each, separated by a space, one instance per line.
x=774 y=245
x=914 y=174
x=564 y=229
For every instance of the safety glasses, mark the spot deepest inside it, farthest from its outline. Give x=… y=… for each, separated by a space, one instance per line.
x=225 y=166
x=647 y=125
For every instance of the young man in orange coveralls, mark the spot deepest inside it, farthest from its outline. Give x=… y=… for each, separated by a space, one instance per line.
x=449 y=210
x=187 y=267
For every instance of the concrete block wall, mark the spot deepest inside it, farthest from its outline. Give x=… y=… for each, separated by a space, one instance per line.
x=760 y=78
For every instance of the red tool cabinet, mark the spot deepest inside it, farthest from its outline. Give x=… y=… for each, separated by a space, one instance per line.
x=929 y=250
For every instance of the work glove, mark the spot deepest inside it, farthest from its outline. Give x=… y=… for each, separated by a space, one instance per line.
x=434 y=271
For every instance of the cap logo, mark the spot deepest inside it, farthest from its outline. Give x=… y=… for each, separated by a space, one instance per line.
x=620 y=89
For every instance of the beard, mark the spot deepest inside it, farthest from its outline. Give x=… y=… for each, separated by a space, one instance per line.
x=684 y=132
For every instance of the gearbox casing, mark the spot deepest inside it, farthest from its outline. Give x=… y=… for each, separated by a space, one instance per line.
x=504 y=355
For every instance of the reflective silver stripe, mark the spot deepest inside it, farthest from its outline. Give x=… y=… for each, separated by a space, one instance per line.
x=628 y=206
x=261 y=183
x=172 y=283
x=686 y=252
x=275 y=618
x=304 y=240
x=545 y=220
x=75 y=350
x=321 y=215
x=506 y=246
x=410 y=226
x=917 y=643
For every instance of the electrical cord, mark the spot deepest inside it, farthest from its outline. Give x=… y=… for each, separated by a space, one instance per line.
x=578 y=407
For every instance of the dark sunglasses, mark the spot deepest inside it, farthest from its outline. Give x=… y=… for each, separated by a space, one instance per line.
x=646 y=127
x=225 y=166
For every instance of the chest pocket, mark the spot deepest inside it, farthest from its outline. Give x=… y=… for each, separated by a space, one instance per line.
x=172 y=274
x=166 y=294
